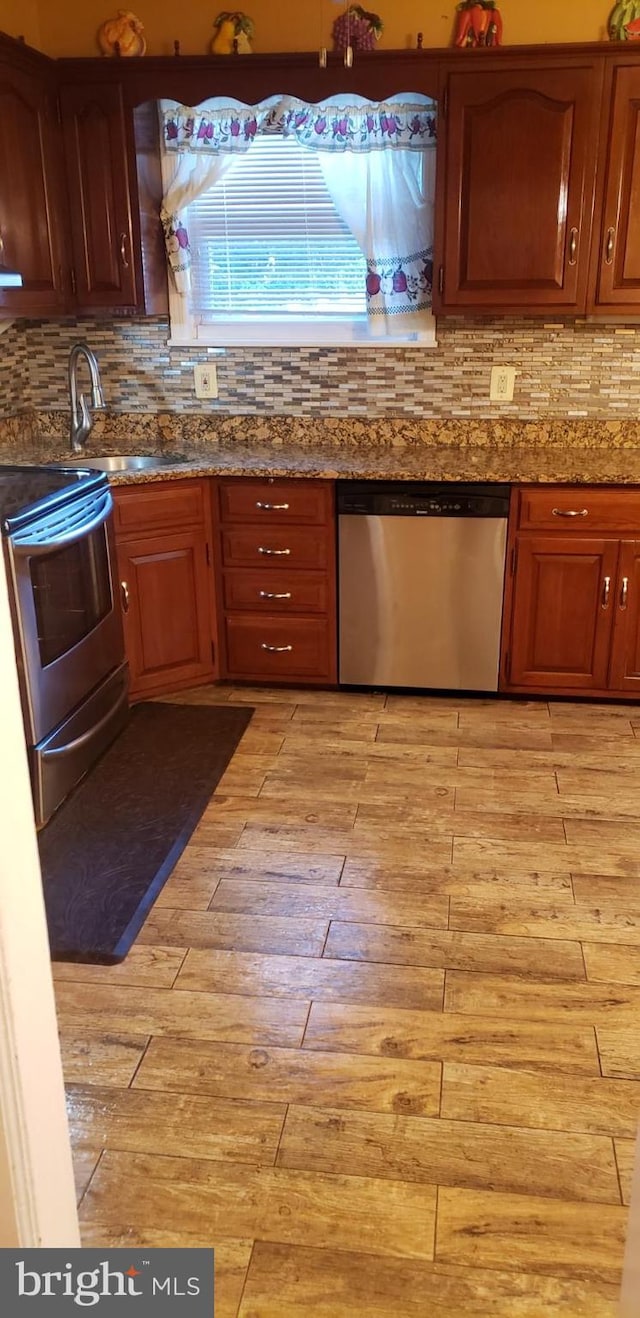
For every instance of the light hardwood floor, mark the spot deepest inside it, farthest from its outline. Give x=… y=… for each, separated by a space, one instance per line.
x=379 y=1039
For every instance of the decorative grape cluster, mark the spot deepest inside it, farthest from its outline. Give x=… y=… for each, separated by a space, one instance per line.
x=356 y=28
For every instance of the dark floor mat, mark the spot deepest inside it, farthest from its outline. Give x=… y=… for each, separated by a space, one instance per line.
x=110 y=848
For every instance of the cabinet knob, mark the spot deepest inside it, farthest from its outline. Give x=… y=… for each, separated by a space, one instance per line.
x=609 y=246
x=606 y=590
x=276 y=649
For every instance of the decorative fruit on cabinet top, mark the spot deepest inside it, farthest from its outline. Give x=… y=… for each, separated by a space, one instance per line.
x=122 y=35
x=357 y=28
x=233 y=33
x=478 y=23
x=624 y=21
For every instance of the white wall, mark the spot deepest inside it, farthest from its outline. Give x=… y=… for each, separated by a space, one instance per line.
x=37 y=1200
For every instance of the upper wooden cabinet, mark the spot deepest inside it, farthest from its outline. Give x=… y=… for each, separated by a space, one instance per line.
x=31 y=229
x=616 y=264
x=110 y=263
x=516 y=179
x=99 y=196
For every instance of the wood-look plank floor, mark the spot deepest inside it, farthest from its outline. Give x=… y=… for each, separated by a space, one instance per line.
x=378 y=1042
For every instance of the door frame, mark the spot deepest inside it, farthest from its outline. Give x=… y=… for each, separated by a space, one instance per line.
x=37 y=1196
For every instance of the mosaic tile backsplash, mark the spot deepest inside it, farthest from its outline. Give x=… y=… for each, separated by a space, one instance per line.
x=563 y=370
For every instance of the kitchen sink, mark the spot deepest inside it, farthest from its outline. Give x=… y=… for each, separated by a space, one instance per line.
x=123 y=461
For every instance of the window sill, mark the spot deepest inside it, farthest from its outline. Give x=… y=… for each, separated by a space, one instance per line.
x=219 y=346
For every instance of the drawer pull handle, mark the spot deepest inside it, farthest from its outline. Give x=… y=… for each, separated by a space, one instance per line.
x=261 y=550
x=606 y=589
x=608 y=251
x=123 y=251
x=570 y=512
x=275 y=594
x=273 y=507
x=124 y=591
x=276 y=649
x=624 y=591
x=573 y=246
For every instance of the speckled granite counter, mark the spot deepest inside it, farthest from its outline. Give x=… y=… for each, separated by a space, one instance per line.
x=553 y=451
x=619 y=467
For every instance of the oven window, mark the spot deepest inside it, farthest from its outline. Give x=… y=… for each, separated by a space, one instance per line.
x=72 y=594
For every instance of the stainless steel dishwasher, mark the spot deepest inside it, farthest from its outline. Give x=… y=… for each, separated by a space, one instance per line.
x=421 y=579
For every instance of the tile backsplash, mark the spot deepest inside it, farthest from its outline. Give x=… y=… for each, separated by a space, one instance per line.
x=563 y=370
x=14 y=374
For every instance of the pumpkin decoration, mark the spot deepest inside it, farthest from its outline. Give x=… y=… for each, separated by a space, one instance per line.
x=233 y=33
x=624 y=21
x=357 y=28
x=122 y=35
x=478 y=23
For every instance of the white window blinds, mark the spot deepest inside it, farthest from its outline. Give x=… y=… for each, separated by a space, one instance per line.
x=268 y=242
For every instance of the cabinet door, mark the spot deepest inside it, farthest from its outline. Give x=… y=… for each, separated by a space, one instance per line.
x=98 y=172
x=624 y=674
x=562 y=612
x=31 y=215
x=618 y=274
x=166 y=594
x=520 y=159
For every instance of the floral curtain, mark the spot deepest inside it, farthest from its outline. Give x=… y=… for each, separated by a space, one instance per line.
x=378 y=162
x=198 y=150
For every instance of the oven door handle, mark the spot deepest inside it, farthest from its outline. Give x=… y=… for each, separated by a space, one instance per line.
x=36 y=548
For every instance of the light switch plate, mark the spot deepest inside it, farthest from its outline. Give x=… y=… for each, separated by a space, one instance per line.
x=206 y=381
x=503 y=379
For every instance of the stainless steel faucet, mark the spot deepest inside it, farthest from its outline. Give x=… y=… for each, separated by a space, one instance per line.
x=81 y=418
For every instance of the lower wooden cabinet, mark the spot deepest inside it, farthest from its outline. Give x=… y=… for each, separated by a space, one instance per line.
x=277 y=569
x=624 y=674
x=572 y=605
x=562 y=612
x=166 y=585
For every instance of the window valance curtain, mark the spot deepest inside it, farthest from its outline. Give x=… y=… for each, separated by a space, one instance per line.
x=378 y=161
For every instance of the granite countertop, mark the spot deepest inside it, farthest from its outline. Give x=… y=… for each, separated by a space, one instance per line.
x=549 y=466
x=552 y=451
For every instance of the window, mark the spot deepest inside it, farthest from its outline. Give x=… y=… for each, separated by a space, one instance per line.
x=289 y=223
x=269 y=246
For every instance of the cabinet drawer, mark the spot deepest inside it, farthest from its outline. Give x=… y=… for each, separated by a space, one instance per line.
x=275 y=547
x=276 y=592
x=579 y=509
x=282 y=502
x=279 y=647
x=151 y=507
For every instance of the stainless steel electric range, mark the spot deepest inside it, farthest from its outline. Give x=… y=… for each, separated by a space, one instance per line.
x=58 y=548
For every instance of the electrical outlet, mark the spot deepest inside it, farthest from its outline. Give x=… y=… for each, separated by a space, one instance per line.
x=503 y=379
x=206 y=381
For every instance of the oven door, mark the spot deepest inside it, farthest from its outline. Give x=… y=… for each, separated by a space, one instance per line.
x=67 y=616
